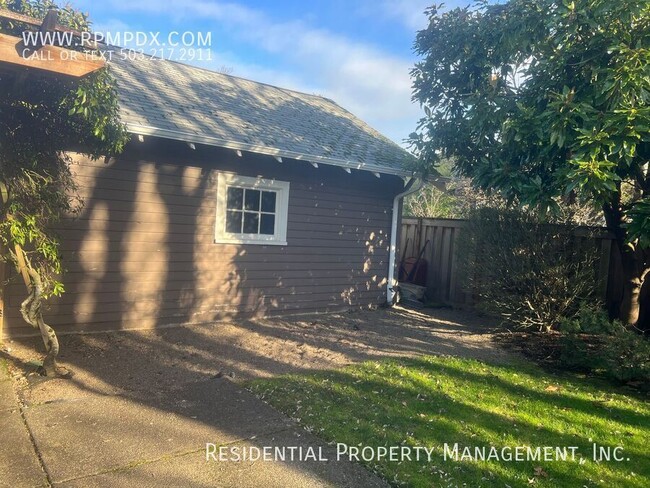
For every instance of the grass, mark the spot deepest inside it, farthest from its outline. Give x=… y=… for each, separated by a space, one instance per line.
x=430 y=401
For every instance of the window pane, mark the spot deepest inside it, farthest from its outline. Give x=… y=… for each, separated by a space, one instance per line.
x=252 y=200
x=233 y=222
x=267 y=224
x=251 y=222
x=268 y=201
x=235 y=198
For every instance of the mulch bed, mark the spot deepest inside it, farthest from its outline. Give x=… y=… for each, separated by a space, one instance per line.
x=543 y=347
x=546 y=349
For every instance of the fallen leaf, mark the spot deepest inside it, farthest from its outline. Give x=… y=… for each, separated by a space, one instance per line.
x=539 y=471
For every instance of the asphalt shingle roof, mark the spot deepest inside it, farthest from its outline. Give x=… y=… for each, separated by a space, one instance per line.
x=223 y=110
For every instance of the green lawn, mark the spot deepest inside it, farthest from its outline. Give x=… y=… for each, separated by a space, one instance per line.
x=430 y=401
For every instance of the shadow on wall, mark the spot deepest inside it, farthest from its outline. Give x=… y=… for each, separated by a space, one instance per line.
x=142 y=254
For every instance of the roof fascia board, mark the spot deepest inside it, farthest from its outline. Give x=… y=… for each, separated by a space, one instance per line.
x=266 y=150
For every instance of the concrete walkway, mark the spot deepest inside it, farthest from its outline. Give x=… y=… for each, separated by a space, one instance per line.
x=19 y=464
x=94 y=439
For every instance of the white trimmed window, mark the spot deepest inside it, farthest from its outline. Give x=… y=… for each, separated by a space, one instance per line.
x=251 y=210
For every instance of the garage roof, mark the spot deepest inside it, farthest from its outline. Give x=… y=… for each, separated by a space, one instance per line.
x=173 y=100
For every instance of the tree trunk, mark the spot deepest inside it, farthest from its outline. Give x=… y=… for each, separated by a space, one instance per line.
x=633 y=278
x=635 y=262
x=31 y=310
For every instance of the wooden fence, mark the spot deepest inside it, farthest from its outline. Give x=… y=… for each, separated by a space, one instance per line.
x=444 y=283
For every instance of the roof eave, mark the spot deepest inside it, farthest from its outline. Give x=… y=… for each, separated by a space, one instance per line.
x=266 y=150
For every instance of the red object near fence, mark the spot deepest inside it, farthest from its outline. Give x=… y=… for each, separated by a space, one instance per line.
x=414 y=270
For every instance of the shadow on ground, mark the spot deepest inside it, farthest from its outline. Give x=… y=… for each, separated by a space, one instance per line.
x=146 y=402
x=430 y=401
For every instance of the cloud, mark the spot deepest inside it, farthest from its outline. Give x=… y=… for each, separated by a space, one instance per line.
x=372 y=84
x=410 y=13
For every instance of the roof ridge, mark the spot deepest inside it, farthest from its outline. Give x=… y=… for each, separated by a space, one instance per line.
x=202 y=68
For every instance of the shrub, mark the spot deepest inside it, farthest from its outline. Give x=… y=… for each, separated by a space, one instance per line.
x=530 y=274
x=627 y=356
x=594 y=343
x=590 y=319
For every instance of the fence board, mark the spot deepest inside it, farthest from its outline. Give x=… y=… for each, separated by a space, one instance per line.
x=604 y=265
x=453 y=271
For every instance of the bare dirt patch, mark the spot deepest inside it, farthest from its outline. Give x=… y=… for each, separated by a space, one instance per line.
x=153 y=363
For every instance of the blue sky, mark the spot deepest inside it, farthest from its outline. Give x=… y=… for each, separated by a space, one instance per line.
x=357 y=52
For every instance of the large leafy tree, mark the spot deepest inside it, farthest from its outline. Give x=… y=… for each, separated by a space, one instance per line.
x=544 y=100
x=42 y=117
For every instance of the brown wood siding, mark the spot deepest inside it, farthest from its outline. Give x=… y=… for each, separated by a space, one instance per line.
x=142 y=252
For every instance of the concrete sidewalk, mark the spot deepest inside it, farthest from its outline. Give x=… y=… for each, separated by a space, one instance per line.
x=19 y=464
x=88 y=438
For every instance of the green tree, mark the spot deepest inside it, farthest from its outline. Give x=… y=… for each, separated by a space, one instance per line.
x=435 y=200
x=542 y=100
x=42 y=117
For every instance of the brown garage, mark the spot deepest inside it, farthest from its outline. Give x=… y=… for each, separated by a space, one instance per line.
x=233 y=197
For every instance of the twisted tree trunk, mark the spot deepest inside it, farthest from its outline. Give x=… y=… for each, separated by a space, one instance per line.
x=31 y=310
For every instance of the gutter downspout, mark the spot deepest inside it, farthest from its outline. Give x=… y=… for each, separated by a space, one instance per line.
x=412 y=186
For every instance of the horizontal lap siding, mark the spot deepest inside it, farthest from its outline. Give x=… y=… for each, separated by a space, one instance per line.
x=142 y=253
